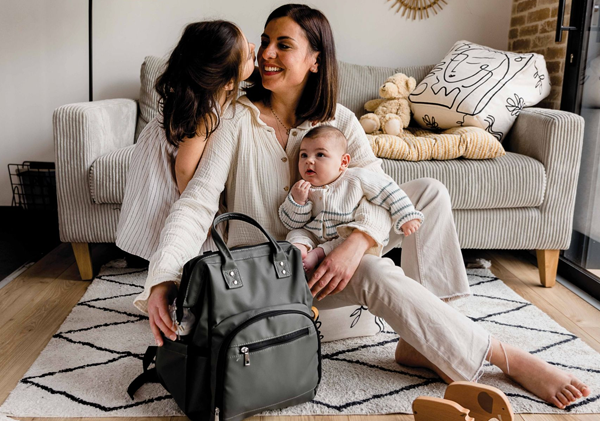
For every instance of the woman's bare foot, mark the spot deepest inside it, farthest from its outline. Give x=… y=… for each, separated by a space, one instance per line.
x=546 y=381
x=409 y=356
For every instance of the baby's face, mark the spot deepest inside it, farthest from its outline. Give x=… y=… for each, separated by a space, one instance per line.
x=321 y=160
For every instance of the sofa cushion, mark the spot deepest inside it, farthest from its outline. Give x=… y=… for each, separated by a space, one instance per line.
x=359 y=84
x=416 y=144
x=152 y=68
x=511 y=181
x=107 y=176
x=479 y=86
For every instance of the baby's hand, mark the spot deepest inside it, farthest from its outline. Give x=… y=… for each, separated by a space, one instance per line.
x=300 y=191
x=410 y=227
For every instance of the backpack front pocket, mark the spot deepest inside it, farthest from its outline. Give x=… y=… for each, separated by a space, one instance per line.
x=273 y=362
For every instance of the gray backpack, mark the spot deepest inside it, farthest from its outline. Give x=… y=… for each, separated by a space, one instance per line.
x=255 y=345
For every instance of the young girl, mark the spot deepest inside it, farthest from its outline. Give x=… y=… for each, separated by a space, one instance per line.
x=201 y=78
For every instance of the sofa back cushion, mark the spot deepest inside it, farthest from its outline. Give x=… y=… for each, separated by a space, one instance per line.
x=358 y=84
x=152 y=68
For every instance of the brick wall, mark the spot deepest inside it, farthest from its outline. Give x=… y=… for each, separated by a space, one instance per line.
x=532 y=29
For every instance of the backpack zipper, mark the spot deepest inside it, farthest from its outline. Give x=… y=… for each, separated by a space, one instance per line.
x=259 y=346
x=229 y=339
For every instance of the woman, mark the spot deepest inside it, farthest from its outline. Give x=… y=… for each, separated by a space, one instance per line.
x=251 y=156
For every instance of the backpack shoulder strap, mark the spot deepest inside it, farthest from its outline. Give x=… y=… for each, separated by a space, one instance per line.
x=148 y=376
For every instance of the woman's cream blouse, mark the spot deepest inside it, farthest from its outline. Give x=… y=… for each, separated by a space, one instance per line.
x=244 y=158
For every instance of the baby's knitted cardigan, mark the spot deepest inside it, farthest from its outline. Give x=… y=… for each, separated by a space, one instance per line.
x=337 y=209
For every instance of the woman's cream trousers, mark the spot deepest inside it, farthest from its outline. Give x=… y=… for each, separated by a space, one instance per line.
x=409 y=298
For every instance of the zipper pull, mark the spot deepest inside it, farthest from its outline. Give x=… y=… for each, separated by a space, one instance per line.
x=217 y=414
x=244 y=350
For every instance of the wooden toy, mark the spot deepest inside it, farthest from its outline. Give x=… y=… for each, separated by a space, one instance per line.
x=315 y=312
x=426 y=408
x=465 y=401
x=485 y=402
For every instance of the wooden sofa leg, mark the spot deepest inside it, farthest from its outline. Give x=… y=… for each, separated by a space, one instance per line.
x=83 y=258
x=547 y=265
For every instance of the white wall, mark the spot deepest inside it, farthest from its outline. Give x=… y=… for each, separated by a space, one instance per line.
x=43 y=49
x=366 y=32
x=43 y=64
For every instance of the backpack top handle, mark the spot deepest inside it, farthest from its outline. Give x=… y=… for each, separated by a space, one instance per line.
x=229 y=268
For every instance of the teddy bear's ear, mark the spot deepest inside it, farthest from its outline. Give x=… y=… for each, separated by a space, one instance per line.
x=411 y=84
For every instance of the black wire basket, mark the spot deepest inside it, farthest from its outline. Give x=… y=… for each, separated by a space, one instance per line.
x=33 y=185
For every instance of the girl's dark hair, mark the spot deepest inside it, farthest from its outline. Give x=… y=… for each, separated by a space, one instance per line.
x=319 y=98
x=208 y=56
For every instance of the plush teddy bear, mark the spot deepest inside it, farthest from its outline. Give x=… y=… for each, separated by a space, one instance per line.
x=390 y=114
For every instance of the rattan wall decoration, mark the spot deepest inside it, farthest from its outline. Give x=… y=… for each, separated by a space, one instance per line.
x=413 y=9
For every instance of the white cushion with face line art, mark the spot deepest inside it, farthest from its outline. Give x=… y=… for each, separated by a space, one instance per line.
x=347 y=322
x=478 y=86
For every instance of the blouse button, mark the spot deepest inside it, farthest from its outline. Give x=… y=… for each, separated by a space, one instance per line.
x=286 y=188
x=294 y=133
x=284 y=159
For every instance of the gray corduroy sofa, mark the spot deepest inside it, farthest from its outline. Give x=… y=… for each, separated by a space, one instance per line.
x=524 y=200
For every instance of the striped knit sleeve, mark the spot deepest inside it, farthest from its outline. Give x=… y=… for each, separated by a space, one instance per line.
x=302 y=236
x=372 y=220
x=328 y=246
x=294 y=215
x=387 y=194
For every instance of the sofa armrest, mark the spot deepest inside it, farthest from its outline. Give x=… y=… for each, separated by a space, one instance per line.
x=554 y=138
x=87 y=130
x=82 y=133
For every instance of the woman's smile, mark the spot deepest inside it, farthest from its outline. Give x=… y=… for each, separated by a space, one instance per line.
x=285 y=57
x=269 y=70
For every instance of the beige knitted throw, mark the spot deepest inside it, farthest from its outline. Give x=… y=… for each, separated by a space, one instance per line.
x=417 y=144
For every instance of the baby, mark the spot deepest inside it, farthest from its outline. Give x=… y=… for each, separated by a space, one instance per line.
x=323 y=208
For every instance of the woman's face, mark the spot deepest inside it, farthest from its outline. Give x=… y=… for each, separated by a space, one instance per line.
x=285 y=58
x=248 y=64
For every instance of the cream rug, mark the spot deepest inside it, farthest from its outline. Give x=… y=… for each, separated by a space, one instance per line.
x=86 y=367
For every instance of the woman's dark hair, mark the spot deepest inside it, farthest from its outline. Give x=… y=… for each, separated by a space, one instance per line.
x=208 y=56
x=319 y=98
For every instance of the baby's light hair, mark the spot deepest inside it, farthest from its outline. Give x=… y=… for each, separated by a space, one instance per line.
x=327 y=130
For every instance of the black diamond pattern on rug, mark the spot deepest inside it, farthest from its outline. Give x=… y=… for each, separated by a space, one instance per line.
x=85 y=369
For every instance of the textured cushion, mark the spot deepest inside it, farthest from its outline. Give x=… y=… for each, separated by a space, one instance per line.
x=359 y=84
x=417 y=144
x=347 y=322
x=479 y=86
x=511 y=181
x=152 y=68
x=107 y=176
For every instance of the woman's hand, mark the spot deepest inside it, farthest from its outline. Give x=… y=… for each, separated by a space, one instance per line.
x=334 y=273
x=158 y=311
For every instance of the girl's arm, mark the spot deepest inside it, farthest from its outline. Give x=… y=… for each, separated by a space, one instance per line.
x=188 y=157
x=191 y=216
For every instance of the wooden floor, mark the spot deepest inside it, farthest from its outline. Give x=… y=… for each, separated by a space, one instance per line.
x=34 y=305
